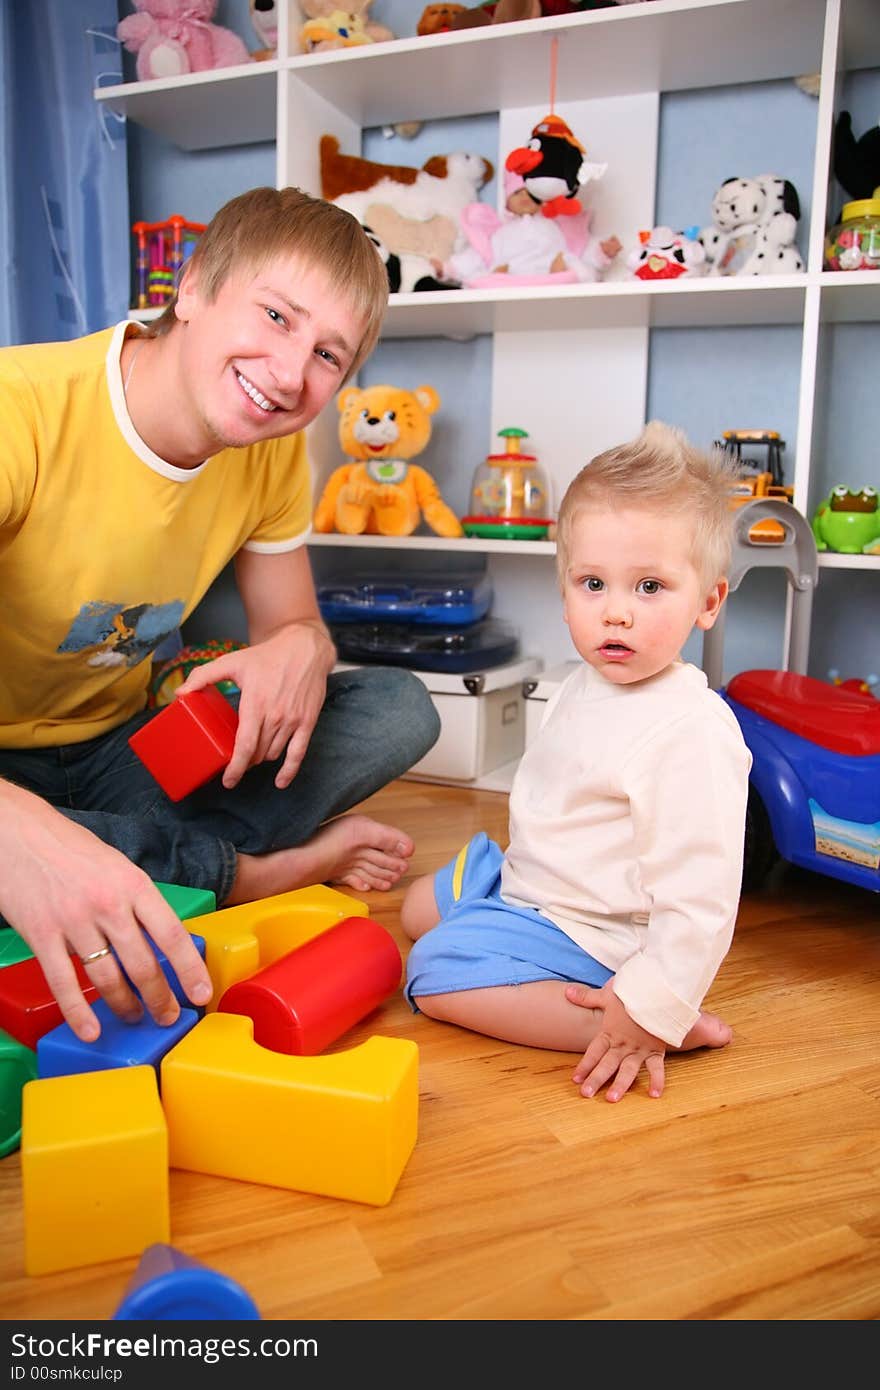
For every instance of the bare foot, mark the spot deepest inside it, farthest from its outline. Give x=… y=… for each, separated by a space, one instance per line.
x=708 y=1031
x=354 y=851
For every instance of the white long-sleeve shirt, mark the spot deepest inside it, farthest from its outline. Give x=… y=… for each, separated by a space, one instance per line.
x=627 y=821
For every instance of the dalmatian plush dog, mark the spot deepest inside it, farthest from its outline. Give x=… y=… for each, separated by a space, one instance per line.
x=753 y=229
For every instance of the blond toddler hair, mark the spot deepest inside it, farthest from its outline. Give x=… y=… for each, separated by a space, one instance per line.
x=660 y=471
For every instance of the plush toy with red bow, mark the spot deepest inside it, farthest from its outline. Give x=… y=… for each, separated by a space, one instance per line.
x=173 y=37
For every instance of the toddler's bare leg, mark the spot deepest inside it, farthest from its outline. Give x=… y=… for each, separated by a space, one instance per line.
x=418 y=911
x=536 y=1014
x=539 y=1015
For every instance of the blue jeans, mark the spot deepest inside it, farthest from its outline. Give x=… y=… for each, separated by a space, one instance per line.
x=375 y=724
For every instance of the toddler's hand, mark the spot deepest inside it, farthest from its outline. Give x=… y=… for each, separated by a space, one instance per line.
x=618 y=1050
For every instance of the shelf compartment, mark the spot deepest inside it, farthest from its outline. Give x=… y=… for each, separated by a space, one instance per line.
x=203 y=110
x=731 y=302
x=673 y=45
x=833 y=560
x=727 y=301
x=852 y=297
x=468 y=545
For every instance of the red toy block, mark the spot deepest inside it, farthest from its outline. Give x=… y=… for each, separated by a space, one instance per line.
x=188 y=742
x=307 y=999
x=28 y=1008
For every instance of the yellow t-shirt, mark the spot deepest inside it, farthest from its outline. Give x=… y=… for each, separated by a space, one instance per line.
x=105 y=549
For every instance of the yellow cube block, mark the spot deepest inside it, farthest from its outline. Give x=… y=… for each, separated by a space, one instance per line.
x=342 y=1124
x=241 y=940
x=94 y=1168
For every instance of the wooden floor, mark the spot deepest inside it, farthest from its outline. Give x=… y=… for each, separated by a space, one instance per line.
x=750 y=1191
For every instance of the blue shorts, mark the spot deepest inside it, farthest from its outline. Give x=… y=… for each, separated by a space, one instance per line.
x=482 y=942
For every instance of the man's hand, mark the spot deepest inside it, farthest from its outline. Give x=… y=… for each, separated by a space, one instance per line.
x=619 y=1049
x=65 y=891
x=283 y=681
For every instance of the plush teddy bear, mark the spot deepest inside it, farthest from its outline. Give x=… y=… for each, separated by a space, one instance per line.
x=380 y=491
x=438 y=19
x=329 y=26
x=754 y=224
x=173 y=37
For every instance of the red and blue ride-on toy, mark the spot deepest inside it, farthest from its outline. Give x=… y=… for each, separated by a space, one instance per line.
x=814 y=789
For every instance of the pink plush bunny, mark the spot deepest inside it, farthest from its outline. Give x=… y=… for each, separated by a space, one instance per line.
x=171 y=37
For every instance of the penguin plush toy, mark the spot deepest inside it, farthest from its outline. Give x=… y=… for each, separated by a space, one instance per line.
x=553 y=168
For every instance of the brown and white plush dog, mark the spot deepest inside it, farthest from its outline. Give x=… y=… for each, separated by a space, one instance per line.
x=414 y=214
x=344 y=174
x=441 y=188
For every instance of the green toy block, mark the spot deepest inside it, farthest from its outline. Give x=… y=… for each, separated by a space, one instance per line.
x=188 y=902
x=18 y=1065
x=13 y=948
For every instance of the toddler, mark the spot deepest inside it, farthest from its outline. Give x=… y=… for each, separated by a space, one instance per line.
x=602 y=926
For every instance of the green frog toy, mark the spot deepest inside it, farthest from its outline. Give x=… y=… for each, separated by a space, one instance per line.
x=848 y=522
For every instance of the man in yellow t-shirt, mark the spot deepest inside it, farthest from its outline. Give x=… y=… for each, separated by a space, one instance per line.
x=135 y=465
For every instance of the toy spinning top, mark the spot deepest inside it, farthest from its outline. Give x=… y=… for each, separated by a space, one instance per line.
x=510 y=493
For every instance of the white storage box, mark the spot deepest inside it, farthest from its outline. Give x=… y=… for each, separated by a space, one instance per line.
x=482 y=716
x=483 y=720
x=537 y=691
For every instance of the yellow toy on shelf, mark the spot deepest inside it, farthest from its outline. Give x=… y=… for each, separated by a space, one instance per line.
x=380 y=491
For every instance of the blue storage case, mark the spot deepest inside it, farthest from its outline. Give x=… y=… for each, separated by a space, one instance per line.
x=429 y=599
x=479 y=647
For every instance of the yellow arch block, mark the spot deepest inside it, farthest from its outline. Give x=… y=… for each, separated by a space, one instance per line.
x=94 y=1168
x=241 y=940
x=342 y=1124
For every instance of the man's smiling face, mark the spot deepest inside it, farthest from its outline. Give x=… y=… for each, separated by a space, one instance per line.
x=264 y=357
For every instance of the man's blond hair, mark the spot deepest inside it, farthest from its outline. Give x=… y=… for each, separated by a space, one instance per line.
x=266 y=223
x=660 y=470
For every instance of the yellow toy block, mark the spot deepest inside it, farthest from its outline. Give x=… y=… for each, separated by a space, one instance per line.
x=241 y=940
x=94 y=1168
x=341 y=1125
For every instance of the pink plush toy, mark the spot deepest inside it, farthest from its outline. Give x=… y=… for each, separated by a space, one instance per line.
x=172 y=37
x=521 y=247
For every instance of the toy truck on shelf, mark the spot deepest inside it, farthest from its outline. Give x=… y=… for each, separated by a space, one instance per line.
x=759 y=476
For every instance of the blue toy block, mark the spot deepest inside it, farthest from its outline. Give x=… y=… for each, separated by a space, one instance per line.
x=170 y=1286
x=61 y=1053
x=168 y=972
x=14 y=949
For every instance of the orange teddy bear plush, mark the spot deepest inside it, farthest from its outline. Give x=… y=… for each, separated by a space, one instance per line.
x=380 y=491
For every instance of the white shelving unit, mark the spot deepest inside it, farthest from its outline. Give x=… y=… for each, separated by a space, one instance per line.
x=613 y=66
